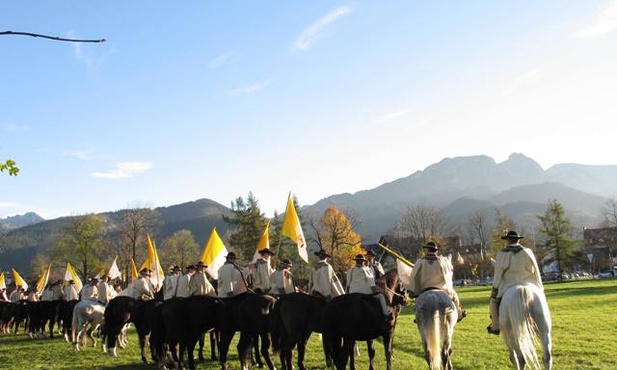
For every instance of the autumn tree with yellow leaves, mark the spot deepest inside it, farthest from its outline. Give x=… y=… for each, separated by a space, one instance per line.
x=334 y=233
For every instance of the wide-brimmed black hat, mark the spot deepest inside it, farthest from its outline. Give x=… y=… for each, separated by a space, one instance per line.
x=201 y=264
x=145 y=270
x=431 y=245
x=322 y=253
x=176 y=268
x=190 y=267
x=512 y=235
x=286 y=263
x=266 y=251
x=359 y=257
x=231 y=255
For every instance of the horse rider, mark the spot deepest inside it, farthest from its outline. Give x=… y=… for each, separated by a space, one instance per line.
x=374 y=265
x=323 y=281
x=106 y=290
x=33 y=294
x=47 y=294
x=515 y=264
x=142 y=289
x=90 y=292
x=281 y=280
x=70 y=292
x=57 y=291
x=360 y=279
x=231 y=280
x=199 y=283
x=435 y=272
x=17 y=294
x=170 y=284
x=262 y=270
x=184 y=281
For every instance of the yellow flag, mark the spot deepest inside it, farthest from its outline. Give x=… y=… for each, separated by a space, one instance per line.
x=70 y=274
x=153 y=263
x=214 y=254
x=134 y=272
x=2 y=281
x=293 y=230
x=19 y=280
x=42 y=282
x=264 y=242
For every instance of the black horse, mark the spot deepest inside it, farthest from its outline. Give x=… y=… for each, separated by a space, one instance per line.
x=248 y=313
x=41 y=313
x=122 y=310
x=352 y=317
x=182 y=323
x=65 y=315
x=294 y=318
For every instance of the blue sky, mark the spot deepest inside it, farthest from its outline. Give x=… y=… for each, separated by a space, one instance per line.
x=206 y=99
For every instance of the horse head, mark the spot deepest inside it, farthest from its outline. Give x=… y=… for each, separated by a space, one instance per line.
x=393 y=288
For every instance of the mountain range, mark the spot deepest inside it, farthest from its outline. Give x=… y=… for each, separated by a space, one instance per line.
x=518 y=187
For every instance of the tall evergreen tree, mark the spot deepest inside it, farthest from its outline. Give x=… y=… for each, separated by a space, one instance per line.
x=557 y=229
x=246 y=226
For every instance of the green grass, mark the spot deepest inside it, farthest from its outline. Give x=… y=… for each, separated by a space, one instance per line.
x=584 y=335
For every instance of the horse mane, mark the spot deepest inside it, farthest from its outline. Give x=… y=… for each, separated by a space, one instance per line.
x=392 y=285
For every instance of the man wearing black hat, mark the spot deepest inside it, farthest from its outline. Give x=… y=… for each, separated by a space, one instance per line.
x=91 y=291
x=199 y=284
x=435 y=272
x=360 y=279
x=231 y=280
x=515 y=264
x=184 y=282
x=170 y=283
x=323 y=281
x=70 y=291
x=281 y=280
x=261 y=271
x=374 y=264
x=142 y=290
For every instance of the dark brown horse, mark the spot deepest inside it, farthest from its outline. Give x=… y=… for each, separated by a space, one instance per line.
x=248 y=313
x=353 y=317
x=294 y=318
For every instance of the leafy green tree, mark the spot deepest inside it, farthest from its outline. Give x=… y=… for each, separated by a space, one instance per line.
x=557 y=229
x=246 y=225
x=81 y=243
x=179 y=249
x=10 y=167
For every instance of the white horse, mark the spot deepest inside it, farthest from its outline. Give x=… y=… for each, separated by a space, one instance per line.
x=523 y=317
x=436 y=316
x=87 y=317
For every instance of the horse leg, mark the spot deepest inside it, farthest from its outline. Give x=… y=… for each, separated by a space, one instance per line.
x=244 y=349
x=200 y=353
x=213 y=344
x=301 y=352
x=226 y=338
x=265 y=350
x=346 y=354
x=142 y=345
x=255 y=355
x=371 y=353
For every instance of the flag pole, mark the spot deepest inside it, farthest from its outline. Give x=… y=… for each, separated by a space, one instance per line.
x=403 y=259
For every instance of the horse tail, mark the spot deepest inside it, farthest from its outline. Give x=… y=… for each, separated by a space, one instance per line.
x=275 y=329
x=433 y=340
x=523 y=333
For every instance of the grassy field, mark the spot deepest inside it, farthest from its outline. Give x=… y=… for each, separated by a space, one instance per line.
x=584 y=335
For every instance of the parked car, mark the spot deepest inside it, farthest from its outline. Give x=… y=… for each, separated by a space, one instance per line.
x=606 y=274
